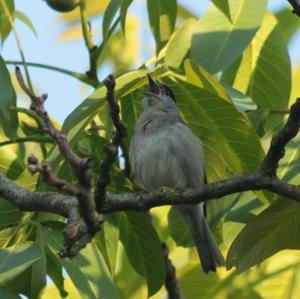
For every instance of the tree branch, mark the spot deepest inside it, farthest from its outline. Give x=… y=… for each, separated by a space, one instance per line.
x=296 y=6
x=77 y=233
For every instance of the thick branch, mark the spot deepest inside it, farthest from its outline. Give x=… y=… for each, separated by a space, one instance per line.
x=35 y=201
x=146 y=200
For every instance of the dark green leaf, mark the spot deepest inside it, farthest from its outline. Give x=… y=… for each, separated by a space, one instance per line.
x=54 y=270
x=179 y=230
x=109 y=16
x=143 y=249
x=218 y=42
x=162 y=18
x=275 y=229
x=8 y=295
x=123 y=13
x=8 y=118
x=39 y=268
x=16 y=259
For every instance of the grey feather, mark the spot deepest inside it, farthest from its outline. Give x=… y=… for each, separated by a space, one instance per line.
x=165 y=152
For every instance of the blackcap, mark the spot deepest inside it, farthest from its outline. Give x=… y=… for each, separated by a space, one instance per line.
x=164 y=152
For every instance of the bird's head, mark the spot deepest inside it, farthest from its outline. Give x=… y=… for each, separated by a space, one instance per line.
x=158 y=96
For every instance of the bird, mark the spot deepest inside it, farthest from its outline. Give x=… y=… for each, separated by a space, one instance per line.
x=164 y=152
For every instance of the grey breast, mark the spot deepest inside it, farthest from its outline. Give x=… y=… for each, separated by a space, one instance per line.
x=165 y=152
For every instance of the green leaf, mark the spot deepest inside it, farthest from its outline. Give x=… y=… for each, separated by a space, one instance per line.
x=17 y=258
x=107 y=242
x=21 y=16
x=54 y=270
x=123 y=13
x=218 y=42
x=245 y=208
x=229 y=140
x=275 y=229
x=88 y=270
x=7 y=8
x=39 y=268
x=289 y=164
x=288 y=23
x=295 y=93
x=143 y=249
x=8 y=295
x=223 y=6
x=241 y=101
x=196 y=284
x=264 y=72
x=9 y=214
x=8 y=118
x=162 y=18
x=179 y=230
x=180 y=43
x=109 y=16
x=198 y=76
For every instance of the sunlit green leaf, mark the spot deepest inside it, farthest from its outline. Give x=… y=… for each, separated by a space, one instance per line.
x=264 y=73
x=21 y=16
x=223 y=5
x=218 y=41
x=180 y=43
x=16 y=259
x=88 y=270
x=162 y=17
x=7 y=8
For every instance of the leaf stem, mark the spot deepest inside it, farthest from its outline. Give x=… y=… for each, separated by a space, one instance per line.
x=82 y=77
x=17 y=38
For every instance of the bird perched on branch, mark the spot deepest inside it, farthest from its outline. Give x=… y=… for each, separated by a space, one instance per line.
x=164 y=152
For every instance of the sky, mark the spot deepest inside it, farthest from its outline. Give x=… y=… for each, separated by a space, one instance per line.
x=65 y=93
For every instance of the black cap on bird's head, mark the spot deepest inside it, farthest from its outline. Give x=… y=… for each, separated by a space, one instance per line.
x=156 y=88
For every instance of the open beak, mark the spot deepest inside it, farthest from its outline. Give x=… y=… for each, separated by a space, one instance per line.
x=152 y=86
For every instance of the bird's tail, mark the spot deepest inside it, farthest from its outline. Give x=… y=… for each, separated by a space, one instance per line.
x=208 y=251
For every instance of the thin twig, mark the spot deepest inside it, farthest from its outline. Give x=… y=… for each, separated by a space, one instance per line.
x=296 y=6
x=49 y=177
x=111 y=149
x=280 y=140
